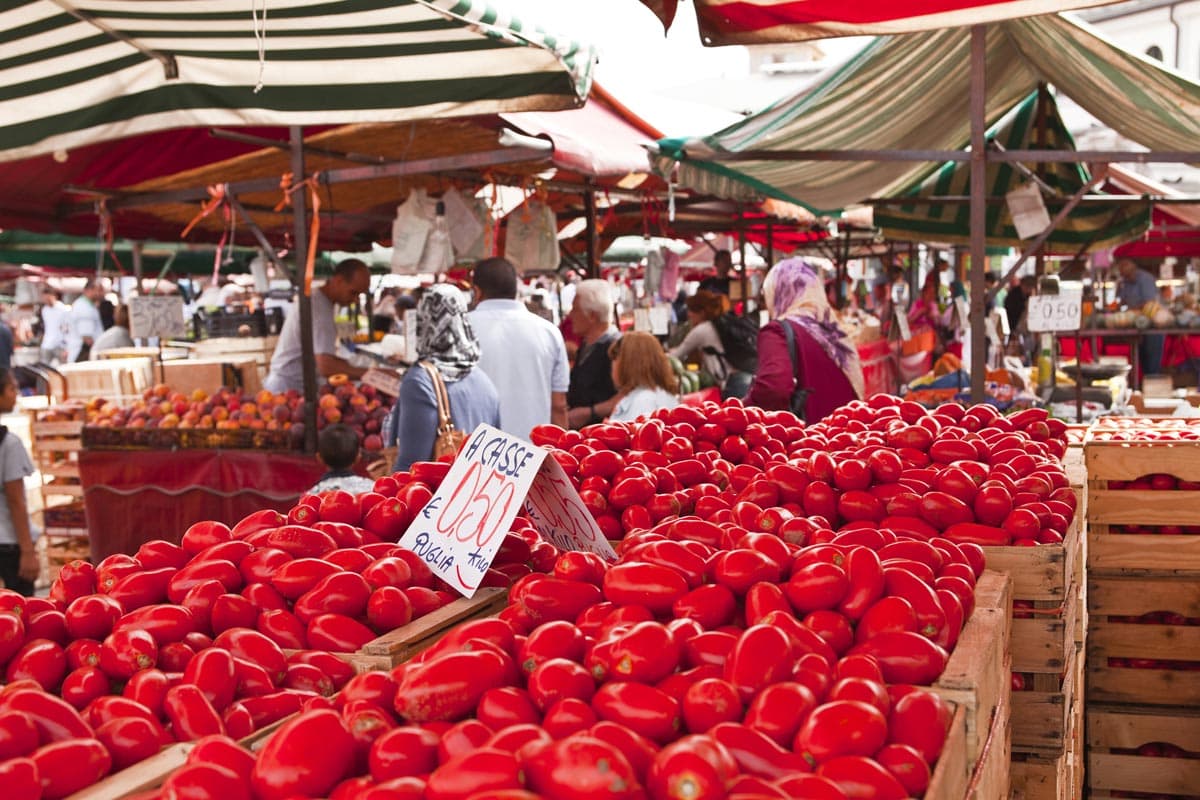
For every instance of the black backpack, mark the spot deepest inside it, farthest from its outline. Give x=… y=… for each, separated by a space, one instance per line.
x=739 y=341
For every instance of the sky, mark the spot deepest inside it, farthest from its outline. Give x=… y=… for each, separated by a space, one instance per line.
x=661 y=77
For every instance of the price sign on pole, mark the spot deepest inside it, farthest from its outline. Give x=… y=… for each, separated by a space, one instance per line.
x=460 y=529
x=1055 y=312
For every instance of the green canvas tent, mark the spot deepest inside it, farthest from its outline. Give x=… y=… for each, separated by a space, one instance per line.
x=911 y=92
x=1032 y=124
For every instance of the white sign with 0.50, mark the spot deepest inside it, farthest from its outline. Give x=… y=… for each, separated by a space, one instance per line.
x=1055 y=312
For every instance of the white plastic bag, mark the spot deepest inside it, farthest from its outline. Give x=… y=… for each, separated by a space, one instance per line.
x=438 y=255
x=410 y=230
x=531 y=242
x=463 y=221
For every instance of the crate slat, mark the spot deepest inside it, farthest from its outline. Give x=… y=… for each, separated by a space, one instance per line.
x=1152 y=687
x=990 y=778
x=1052 y=776
x=1143 y=773
x=1127 y=461
x=1045 y=642
x=1124 y=553
x=1132 y=597
x=405 y=642
x=1045 y=572
x=1042 y=720
x=951 y=773
x=977 y=675
x=1143 y=507
x=1133 y=640
x=147 y=774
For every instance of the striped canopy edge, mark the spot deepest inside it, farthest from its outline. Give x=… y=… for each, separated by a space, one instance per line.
x=1087 y=227
x=726 y=22
x=1143 y=101
x=65 y=83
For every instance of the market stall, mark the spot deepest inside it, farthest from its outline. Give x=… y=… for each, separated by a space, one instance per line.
x=135 y=496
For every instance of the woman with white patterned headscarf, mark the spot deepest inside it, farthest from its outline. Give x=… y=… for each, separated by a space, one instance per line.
x=444 y=341
x=827 y=362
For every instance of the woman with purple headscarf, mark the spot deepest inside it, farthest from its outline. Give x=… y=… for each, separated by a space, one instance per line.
x=828 y=362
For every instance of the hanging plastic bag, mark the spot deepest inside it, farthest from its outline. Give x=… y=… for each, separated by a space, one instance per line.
x=410 y=230
x=438 y=255
x=463 y=221
x=484 y=244
x=531 y=242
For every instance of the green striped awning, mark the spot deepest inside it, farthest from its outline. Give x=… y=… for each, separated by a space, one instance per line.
x=75 y=72
x=910 y=92
x=1087 y=226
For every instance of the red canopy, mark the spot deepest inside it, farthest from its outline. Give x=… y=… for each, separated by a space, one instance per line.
x=764 y=21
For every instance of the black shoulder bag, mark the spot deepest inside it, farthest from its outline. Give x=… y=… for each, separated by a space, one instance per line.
x=799 y=400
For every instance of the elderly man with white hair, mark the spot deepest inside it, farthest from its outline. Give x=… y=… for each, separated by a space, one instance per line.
x=592 y=394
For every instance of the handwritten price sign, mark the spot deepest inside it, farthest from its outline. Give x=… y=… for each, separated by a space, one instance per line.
x=556 y=511
x=1055 y=312
x=460 y=529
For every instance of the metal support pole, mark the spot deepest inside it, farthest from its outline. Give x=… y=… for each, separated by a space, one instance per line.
x=978 y=216
x=592 y=233
x=303 y=301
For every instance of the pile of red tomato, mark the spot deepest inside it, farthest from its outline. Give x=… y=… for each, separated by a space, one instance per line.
x=780 y=591
x=969 y=475
x=178 y=642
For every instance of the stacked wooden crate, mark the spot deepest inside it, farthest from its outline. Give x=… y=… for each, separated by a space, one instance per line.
x=1143 y=664
x=55 y=440
x=1047 y=665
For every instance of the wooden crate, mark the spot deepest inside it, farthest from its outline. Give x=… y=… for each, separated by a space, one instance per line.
x=1115 y=728
x=1048 y=577
x=1114 y=553
x=952 y=772
x=1041 y=717
x=977 y=676
x=989 y=778
x=1052 y=776
x=55 y=445
x=398 y=646
x=1132 y=597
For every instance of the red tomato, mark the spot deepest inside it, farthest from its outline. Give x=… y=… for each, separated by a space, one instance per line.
x=20 y=779
x=709 y=702
x=907 y=766
x=449 y=687
x=129 y=740
x=638 y=583
x=69 y=765
x=920 y=719
x=307 y=757
x=404 y=751
x=779 y=709
x=580 y=766
x=841 y=728
x=643 y=709
x=39 y=660
x=859 y=776
x=556 y=679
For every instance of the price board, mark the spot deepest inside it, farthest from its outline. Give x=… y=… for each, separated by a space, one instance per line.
x=1055 y=312
x=384 y=380
x=156 y=315
x=460 y=529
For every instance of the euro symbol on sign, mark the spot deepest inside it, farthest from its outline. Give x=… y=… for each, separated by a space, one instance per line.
x=430 y=507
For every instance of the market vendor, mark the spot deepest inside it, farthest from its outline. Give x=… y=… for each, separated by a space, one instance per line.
x=350 y=279
x=1136 y=288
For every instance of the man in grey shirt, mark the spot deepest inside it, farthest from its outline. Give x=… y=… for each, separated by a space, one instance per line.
x=350 y=279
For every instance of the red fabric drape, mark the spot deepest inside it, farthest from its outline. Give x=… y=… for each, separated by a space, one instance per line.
x=132 y=497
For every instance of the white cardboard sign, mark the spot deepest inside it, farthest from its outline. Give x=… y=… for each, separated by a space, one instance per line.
x=460 y=529
x=558 y=513
x=384 y=380
x=1055 y=312
x=156 y=315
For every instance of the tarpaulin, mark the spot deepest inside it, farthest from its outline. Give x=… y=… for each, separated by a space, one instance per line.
x=133 y=497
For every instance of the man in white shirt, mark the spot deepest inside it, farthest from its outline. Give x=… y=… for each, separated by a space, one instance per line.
x=522 y=353
x=54 y=326
x=83 y=322
x=350 y=279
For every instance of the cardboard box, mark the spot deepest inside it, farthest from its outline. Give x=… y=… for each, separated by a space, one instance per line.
x=187 y=375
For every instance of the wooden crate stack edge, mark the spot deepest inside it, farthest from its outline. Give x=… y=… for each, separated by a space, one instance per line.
x=1130 y=575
